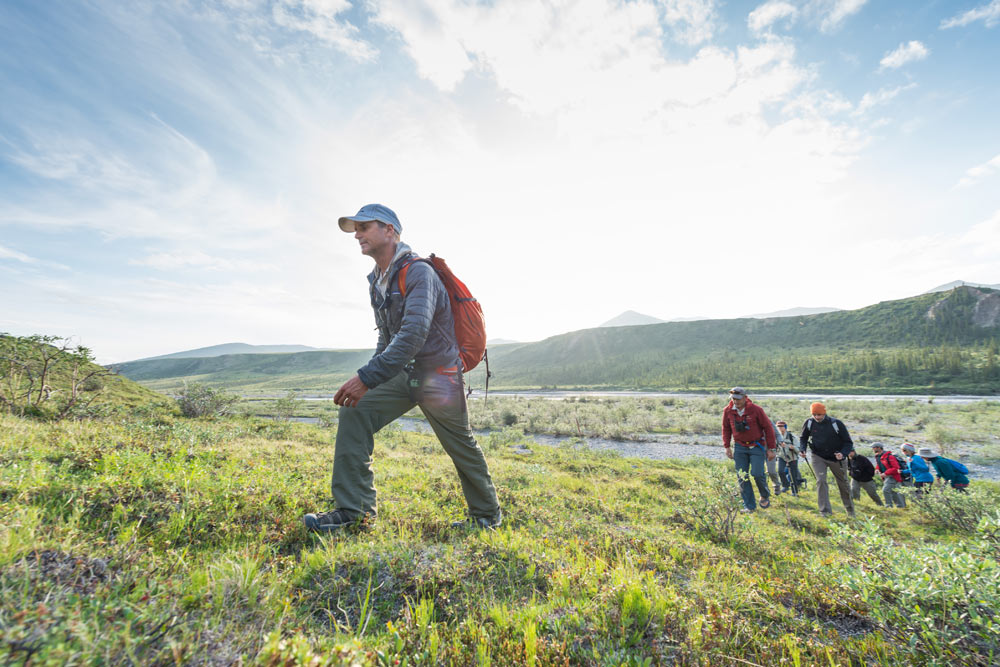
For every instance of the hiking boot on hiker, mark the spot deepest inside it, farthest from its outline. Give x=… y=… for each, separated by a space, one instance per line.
x=337 y=520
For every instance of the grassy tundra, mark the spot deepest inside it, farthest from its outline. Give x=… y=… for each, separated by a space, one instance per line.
x=969 y=430
x=160 y=540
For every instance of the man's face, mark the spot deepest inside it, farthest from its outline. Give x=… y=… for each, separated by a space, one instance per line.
x=740 y=402
x=819 y=416
x=373 y=236
x=781 y=429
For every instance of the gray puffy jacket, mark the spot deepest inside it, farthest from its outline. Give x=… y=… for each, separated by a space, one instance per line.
x=418 y=327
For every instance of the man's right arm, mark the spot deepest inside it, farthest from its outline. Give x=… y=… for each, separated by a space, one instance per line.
x=727 y=431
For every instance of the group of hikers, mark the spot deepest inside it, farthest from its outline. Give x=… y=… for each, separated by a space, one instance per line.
x=424 y=348
x=756 y=444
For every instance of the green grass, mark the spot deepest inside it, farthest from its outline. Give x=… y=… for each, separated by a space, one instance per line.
x=169 y=541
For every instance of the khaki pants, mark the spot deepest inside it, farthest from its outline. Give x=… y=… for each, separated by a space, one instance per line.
x=892 y=496
x=443 y=403
x=870 y=488
x=839 y=471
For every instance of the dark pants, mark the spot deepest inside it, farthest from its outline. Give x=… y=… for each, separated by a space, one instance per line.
x=790 y=476
x=750 y=463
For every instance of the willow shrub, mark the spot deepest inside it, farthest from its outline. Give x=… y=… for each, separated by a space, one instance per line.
x=936 y=602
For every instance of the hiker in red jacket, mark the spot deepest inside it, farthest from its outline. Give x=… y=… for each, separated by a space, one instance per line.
x=888 y=468
x=747 y=424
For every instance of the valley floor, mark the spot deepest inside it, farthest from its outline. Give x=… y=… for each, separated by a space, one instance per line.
x=164 y=540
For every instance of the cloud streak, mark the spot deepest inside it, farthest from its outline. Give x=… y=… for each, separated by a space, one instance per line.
x=903 y=54
x=979 y=173
x=989 y=14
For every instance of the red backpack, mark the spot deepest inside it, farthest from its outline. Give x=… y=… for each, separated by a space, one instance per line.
x=470 y=325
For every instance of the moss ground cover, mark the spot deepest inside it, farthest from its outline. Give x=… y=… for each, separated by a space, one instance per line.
x=168 y=541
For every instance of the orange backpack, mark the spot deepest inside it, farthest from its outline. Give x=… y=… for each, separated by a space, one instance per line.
x=470 y=325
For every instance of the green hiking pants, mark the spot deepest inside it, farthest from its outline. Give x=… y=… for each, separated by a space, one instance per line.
x=442 y=400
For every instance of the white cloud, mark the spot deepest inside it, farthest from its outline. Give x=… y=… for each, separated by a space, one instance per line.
x=988 y=14
x=905 y=53
x=880 y=97
x=766 y=15
x=835 y=12
x=7 y=253
x=977 y=174
x=196 y=259
x=319 y=18
x=693 y=21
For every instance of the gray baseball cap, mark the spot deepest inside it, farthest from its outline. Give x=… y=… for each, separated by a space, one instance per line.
x=738 y=392
x=372 y=213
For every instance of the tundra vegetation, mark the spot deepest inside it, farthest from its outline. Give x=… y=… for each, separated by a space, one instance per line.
x=158 y=539
x=135 y=535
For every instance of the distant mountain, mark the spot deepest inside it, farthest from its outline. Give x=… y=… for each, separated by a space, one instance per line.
x=931 y=343
x=234 y=348
x=501 y=341
x=630 y=318
x=795 y=312
x=959 y=283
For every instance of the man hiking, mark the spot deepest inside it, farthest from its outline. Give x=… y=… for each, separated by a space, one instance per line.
x=746 y=423
x=788 y=460
x=831 y=443
x=862 y=474
x=416 y=362
x=891 y=473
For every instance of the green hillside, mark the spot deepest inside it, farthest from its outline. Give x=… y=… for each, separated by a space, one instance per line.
x=46 y=376
x=942 y=342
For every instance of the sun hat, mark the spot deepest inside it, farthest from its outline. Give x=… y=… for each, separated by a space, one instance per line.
x=738 y=392
x=817 y=408
x=927 y=453
x=781 y=423
x=907 y=447
x=372 y=213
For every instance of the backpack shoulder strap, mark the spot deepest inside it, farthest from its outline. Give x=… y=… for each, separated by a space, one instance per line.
x=836 y=425
x=401 y=274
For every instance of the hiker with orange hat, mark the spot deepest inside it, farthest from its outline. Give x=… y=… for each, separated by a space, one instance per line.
x=747 y=424
x=831 y=444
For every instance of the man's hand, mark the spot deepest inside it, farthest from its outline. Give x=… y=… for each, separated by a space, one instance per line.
x=729 y=452
x=770 y=455
x=349 y=394
x=839 y=456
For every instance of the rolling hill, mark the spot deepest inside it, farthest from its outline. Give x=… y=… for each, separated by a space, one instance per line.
x=938 y=342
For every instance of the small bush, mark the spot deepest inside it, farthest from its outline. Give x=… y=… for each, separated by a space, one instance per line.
x=197 y=400
x=953 y=509
x=714 y=510
x=936 y=603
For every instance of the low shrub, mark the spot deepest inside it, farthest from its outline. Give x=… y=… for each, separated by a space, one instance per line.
x=714 y=508
x=936 y=603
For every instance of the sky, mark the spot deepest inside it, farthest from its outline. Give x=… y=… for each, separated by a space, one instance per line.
x=171 y=172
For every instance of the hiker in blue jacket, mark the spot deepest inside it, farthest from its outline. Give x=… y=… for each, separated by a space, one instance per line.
x=922 y=476
x=945 y=468
x=416 y=363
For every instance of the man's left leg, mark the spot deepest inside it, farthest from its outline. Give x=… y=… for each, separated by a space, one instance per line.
x=772 y=472
x=839 y=470
x=757 y=468
x=443 y=403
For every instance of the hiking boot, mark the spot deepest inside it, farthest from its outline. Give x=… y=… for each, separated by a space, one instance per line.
x=764 y=503
x=328 y=522
x=481 y=522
